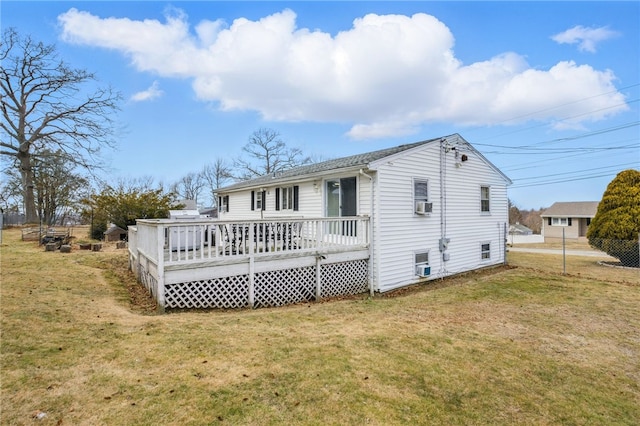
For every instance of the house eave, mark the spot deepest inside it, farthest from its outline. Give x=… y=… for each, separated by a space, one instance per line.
x=280 y=181
x=577 y=216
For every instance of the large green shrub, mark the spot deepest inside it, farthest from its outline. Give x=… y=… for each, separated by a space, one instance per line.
x=616 y=226
x=122 y=206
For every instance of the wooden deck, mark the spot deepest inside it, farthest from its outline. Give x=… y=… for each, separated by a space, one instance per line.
x=210 y=263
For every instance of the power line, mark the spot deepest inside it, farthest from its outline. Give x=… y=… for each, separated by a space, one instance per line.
x=531 y=114
x=552 y=182
x=576 y=137
x=615 y=166
x=554 y=151
x=535 y=164
x=560 y=106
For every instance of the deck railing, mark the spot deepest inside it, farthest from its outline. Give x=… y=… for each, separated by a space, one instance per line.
x=173 y=241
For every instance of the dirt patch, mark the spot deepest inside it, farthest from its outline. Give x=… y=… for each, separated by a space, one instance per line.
x=117 y=266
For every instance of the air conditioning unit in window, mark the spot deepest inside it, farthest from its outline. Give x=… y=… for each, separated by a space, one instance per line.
x=422 y=207
x=423 y=270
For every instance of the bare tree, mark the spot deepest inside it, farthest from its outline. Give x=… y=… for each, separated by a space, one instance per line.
x=189 y=186
x=58 y=189
x=10 y=194
x=44 y=107
x=139 y=184
x=532 y=219
x=215 y=175
x=267 y=154
x=515 y=215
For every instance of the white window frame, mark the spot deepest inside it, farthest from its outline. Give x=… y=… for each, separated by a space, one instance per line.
x=484 y=200
x=417 y=198
x=286 y=198
x=223 y=202
x=420 y=262
x=258 y=200
x=485 y=253
x=559 y=221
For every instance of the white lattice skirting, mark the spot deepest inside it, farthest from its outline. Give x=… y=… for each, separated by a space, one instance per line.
x=271 y=288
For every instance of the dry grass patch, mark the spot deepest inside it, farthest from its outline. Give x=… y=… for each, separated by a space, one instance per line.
x=577 y=266
x=513 y=346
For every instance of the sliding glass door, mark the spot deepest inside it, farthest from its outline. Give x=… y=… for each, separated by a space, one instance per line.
x=341 y=201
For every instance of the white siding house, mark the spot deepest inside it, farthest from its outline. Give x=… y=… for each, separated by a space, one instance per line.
x=434 y=208
x=369 y=222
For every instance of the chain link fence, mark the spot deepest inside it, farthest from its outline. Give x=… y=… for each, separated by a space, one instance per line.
x=607 y=260
x=626 y=251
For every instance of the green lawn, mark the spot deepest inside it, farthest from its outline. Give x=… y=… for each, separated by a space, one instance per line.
x=509 y=346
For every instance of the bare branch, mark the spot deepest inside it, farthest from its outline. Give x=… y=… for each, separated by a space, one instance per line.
x=267 y=153
x=48 y=106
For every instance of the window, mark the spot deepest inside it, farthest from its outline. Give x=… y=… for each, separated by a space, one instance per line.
x=421 y=263
x=485 y=251
x=485 y=196
x=223 y=204
x=421 y=196
x=421 y=258
x=258 y=200
x=560 y=221
x=287 y=198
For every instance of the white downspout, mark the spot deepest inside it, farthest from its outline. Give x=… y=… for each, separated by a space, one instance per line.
x=371 y=253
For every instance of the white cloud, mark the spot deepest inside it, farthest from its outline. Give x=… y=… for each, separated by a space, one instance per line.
x=153 y=92
x=387 y=75
x=585 y=37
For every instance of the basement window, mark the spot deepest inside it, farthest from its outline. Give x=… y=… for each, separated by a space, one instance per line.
x=485 y=251
x=421 y=263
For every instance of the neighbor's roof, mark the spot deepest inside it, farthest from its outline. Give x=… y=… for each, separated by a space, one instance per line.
x=519 y=228
x=572 y=209
x=353 y=161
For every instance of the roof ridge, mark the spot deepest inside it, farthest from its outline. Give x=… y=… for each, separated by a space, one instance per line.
x=333 y=164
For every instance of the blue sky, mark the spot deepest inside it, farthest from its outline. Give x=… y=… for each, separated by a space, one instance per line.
x=547 y=91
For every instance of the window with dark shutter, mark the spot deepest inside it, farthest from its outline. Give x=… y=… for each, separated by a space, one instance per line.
x=253 y=200
x=296 y=191
x=287 y=198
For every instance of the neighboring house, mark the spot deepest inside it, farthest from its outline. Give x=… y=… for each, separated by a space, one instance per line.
x=572 y=217
x=375 y=221
x=519 y=229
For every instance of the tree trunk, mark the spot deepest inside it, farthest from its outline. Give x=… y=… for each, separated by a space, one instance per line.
x=26 y=173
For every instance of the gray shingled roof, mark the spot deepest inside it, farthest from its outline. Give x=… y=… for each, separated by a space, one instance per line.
x=338 y=163
x=572 y=209
x=518 y=228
